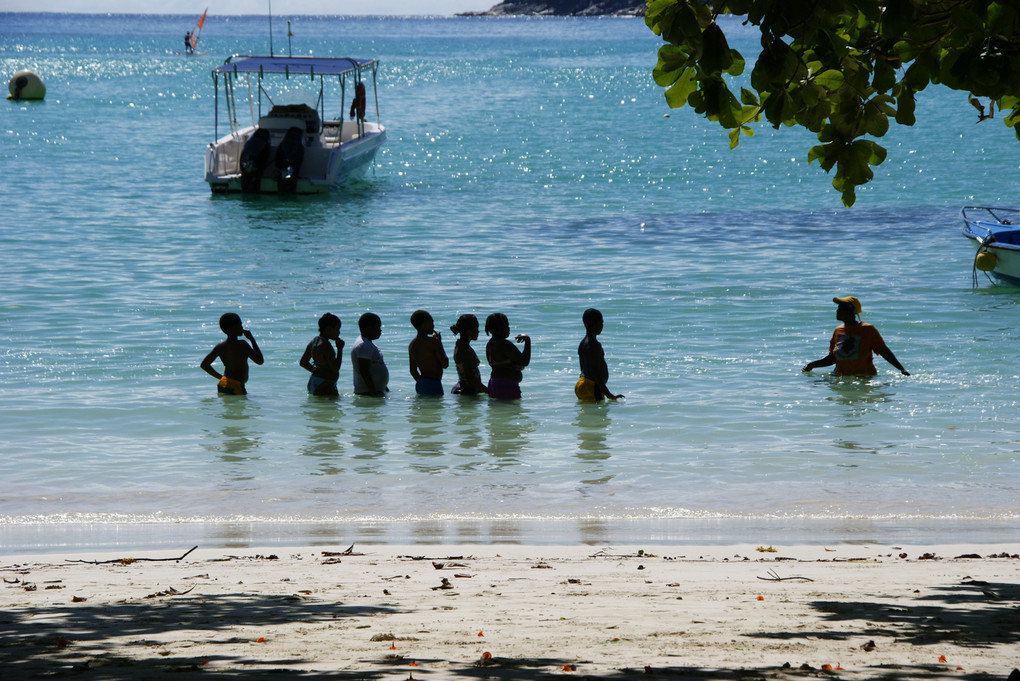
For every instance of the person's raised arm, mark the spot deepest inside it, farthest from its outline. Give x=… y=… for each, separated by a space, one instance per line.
x=255 y=354
x=441 y=357
x=526 y=353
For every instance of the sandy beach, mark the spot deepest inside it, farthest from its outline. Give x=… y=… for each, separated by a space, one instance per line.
x=515 y=612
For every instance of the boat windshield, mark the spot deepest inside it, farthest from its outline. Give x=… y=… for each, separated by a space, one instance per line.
x=293 y=96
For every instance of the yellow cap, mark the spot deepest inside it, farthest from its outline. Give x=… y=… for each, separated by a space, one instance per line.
x=850 y=300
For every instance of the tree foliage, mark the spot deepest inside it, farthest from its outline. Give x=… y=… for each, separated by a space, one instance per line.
x=840 y=68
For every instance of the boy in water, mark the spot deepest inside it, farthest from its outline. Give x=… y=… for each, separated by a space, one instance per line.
x=321 y=360
x=234 y=353
x=591 y=386
x=427 y=356
x=370 y=373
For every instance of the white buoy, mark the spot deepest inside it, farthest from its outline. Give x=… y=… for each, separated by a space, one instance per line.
x=26 y=85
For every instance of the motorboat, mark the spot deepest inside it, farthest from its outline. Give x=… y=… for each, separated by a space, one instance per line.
x=996 y=236
x=293 y=140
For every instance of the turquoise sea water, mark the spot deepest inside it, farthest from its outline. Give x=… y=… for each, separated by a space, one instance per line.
x=532 y=168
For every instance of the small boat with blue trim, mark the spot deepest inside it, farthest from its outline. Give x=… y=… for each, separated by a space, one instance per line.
x=297 y=141
x=996 y=236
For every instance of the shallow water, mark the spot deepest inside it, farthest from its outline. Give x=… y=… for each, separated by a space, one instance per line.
x=531 y=169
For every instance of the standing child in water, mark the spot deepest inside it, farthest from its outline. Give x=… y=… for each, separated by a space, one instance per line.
x=465 y=359
x=370 y=373
x=427 y=356
x=505 y=359
x=591 y=386
x=234 y=353
x=321 y=360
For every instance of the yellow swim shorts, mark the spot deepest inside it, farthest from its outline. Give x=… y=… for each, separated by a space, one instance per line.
x=230 y=386
x=585 y=389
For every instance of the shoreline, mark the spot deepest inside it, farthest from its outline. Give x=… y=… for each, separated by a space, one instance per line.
x=54 y=537
x=456 y=611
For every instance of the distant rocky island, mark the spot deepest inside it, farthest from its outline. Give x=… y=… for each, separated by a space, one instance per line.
x=564 y=8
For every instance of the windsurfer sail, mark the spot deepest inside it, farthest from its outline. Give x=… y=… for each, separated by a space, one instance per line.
x=193 y=39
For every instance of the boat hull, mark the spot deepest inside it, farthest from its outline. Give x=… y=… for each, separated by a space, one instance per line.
x=997 y=232
x=326 y=167
x=1007 y=261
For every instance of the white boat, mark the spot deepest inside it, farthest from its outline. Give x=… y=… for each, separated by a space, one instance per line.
x=996 y=236
x=297 y=142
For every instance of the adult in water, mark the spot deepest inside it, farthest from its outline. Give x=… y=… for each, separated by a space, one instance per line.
x=853 y=343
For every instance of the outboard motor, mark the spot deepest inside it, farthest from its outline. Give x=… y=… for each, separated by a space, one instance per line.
x=289 y=156
x=254 y=157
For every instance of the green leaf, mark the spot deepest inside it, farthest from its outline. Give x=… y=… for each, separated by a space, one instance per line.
x=684 y=86
x=672 y=61
x=905 y=107
x=737 y=64
x=715 y=52
x=831 y=80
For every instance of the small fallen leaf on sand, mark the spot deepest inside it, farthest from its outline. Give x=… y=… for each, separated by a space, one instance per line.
x=260 y=639
x=78 y=599
x=760 y=597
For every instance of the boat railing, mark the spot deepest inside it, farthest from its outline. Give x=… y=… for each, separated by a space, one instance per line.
x=1002 y=216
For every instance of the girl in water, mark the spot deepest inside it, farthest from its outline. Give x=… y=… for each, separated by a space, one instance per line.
x=506 y=360
x=464 y=357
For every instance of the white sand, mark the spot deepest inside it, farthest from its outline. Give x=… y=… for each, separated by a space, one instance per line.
x=538 y=611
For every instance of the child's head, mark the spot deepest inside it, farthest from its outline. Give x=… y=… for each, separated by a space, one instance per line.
x=370 y=325
x=230 y=324
x=422 y=321
x=592 y=319
x=328 y=322
x=466 y=326
x=496 y=324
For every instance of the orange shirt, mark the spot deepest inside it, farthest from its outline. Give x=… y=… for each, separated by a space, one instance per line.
x=853 y=346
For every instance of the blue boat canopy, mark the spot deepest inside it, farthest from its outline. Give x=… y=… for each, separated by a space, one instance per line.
x=310 y=66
